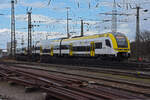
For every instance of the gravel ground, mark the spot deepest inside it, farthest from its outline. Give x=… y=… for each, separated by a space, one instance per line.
x=18 y=92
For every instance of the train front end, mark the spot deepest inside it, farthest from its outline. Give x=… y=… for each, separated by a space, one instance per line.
x=121 y=45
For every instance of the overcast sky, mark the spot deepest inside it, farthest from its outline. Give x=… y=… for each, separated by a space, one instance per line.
x=51 y=18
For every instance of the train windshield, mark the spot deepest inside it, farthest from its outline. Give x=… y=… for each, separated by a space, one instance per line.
x=121 y=41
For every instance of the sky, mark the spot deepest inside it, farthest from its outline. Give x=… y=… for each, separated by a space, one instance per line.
x=49 y=18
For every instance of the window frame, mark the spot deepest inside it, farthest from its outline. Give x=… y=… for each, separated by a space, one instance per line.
x=98 y=45
x=108 y=43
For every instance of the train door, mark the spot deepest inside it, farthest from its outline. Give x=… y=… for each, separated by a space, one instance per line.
x=25 y=51
x=92 y=49
x=108 y=46
x=52 y=50
x=70 y=50
x=41 y=51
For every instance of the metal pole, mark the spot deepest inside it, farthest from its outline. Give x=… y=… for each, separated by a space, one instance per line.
x=29 y=33
x=11 y=28
x=13 y=39
x=82 y=28
x=114 y=18
x=137 y=32
x=22 y=42
x=68 y=22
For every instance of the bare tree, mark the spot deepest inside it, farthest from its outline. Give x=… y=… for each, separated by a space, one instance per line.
x=145 y=36
x=144 y=45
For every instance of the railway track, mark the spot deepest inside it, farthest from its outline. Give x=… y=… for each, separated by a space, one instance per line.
x=137 y=73
x=63 y=87
x=109 y=80
x=105 y=82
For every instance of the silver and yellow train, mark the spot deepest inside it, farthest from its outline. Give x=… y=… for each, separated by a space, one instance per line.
x=106 y=45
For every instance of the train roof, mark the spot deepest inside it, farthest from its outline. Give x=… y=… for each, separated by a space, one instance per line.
x=88 y=37
x=81 y=38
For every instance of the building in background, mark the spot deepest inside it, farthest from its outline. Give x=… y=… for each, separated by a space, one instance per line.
x=8 y=48
x=3 y=53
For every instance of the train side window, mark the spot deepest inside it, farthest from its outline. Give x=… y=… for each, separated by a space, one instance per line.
x=88 y=48
x=55 y=47
x=46 y=50
x=81 y=48
x=65 y=47
x=74 y=48
x=36 y=48
x=98 y=45
x=108 y=43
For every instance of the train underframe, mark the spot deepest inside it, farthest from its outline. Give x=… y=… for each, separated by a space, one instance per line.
x=121 y=56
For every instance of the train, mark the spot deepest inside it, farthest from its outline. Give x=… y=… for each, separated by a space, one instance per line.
x=102 y=46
